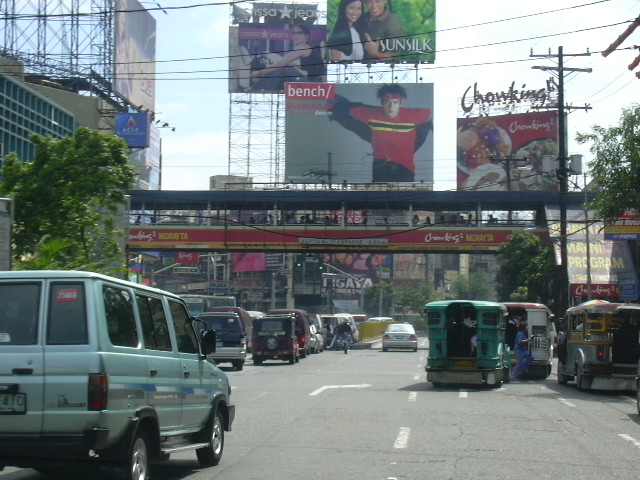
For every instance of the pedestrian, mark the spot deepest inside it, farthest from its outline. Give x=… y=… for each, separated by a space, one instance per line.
x=523 y=356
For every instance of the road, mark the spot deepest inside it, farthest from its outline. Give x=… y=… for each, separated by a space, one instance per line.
x=371 y=415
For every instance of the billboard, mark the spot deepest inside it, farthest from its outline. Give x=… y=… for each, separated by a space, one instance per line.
x=135 y=54
x=147 y=162
x=400 y=31
x=133 y=128
x=362 y=133
x=514 y=152
x=263 y=56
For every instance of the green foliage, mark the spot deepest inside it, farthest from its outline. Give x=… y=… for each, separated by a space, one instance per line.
x=378 y=299
x=616 y=166
x=520 y=294
x=412 y=297
x=66 y=200
x=526 y=268
x=473 y=287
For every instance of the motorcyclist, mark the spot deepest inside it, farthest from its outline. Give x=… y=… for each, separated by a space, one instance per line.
x=343 y=329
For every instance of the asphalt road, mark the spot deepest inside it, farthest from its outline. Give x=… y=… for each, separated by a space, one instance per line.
x=371 y=415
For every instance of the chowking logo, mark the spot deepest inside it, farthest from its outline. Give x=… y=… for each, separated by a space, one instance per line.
x=610 y=290
x=143 y=236
x=445 y=238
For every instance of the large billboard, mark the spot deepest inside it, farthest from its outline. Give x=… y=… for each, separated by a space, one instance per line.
x=273 y=44
x=372 y=31
x=513 y=152
x=135 y=54
x=362 y=133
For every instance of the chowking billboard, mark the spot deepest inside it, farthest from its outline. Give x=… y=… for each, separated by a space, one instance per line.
x=359 y=133
x=514 y=152
x=399 y=30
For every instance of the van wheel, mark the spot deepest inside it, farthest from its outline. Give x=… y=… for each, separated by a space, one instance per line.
x=637 y=398
x=211 y=455
x=257 y=360
x=292 y=359
x=138 y=468
x=238 y=365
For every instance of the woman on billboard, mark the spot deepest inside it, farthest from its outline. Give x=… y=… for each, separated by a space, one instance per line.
x=348 y=33
x=302 y=64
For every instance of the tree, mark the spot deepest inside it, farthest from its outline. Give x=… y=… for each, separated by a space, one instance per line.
x=473 y=287
x=66 y=201
x=526 y=266
x=616 y=166
x=413 y=296
x=378 y=299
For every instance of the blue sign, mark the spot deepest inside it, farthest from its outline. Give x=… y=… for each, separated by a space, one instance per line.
x=133 y=128
x=630 y=291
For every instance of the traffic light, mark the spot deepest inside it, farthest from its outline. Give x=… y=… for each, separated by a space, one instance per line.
x=298 y=261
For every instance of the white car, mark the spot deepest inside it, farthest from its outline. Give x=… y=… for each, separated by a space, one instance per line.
x=400 y=335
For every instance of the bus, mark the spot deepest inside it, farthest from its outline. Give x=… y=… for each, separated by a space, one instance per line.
x=203 y=303
x=599 y=347
x=467 y=343
x=541 y=330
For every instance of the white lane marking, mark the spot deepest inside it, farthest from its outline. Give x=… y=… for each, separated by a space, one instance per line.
x=413 y=396
x=416 y=376
x=566 y=402
x=403 y=438
x=262 y=394
x=326 y=387
x=629 y=438
x=419 y=365
x=463 y=394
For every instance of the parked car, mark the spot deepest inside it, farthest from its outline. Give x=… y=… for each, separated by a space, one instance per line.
x=100 y=370
x=318 y=339
x=303 y=333
x=274 y=338
x=400 y=335
x=231 y=340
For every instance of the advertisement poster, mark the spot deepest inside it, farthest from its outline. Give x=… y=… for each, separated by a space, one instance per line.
x=263 y=56
x=610 y=260
x=371 y=31
x=135 y=54
x=513 y=152
x=362 y=133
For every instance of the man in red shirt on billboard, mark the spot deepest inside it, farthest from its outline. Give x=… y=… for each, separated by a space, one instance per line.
x=395 y=133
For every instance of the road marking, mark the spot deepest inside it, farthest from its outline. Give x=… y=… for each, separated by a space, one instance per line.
x=262 y=394
x=413 y=396
x=327 y=387
x=416 y=376
x=403 y=438
x=419 y=365
x=463 y=394
x=629 y=438
x=566 y=402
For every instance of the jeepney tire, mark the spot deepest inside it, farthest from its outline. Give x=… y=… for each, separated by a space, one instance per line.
x=583 y=382
x=238 y=365
x=137 y=467
x=506 y=375
x=436 y=384
x=562 y=378
x=211 y=455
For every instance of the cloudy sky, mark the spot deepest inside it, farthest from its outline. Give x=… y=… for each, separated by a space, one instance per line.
x=488 y=43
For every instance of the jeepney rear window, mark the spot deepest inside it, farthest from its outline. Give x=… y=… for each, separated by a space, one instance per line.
x=433 y=318
x=491 y=318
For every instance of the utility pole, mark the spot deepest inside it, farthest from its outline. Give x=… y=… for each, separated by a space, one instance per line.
x=562 y=171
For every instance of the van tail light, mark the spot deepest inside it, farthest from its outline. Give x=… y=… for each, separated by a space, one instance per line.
x=98 y=391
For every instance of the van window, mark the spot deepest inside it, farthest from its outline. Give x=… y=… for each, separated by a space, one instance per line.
x=185 y=335
x=121 y=322
x=67 y=323
x=154 y=323
x=223 y=324
x=19 y=313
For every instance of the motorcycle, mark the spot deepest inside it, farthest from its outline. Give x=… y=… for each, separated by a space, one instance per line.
x=343 y=342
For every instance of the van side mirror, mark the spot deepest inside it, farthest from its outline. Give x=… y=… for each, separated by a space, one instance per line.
x=208 y=340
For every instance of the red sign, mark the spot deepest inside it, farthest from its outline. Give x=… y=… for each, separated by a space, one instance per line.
x=598 y=290
x=67 y=295
x=189 y=258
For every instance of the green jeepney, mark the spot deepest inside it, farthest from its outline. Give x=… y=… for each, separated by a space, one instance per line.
x=466 y=343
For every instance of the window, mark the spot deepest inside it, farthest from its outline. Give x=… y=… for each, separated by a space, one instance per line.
x=121 y=322
x=185 y=335
x=67 y=323
x=154 y=323
x=19 y=313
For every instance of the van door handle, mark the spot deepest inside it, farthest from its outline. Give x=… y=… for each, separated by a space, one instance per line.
x=22 y=371
x=153 y=372
x=186 y=374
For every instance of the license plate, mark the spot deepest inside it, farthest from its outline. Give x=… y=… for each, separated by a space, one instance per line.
x=400 y=337
x=463 y=364
x=13 y=403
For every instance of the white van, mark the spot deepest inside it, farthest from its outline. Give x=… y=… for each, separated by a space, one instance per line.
x=96 y=369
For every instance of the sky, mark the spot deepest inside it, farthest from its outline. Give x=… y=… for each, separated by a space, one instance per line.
x=488 y=43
